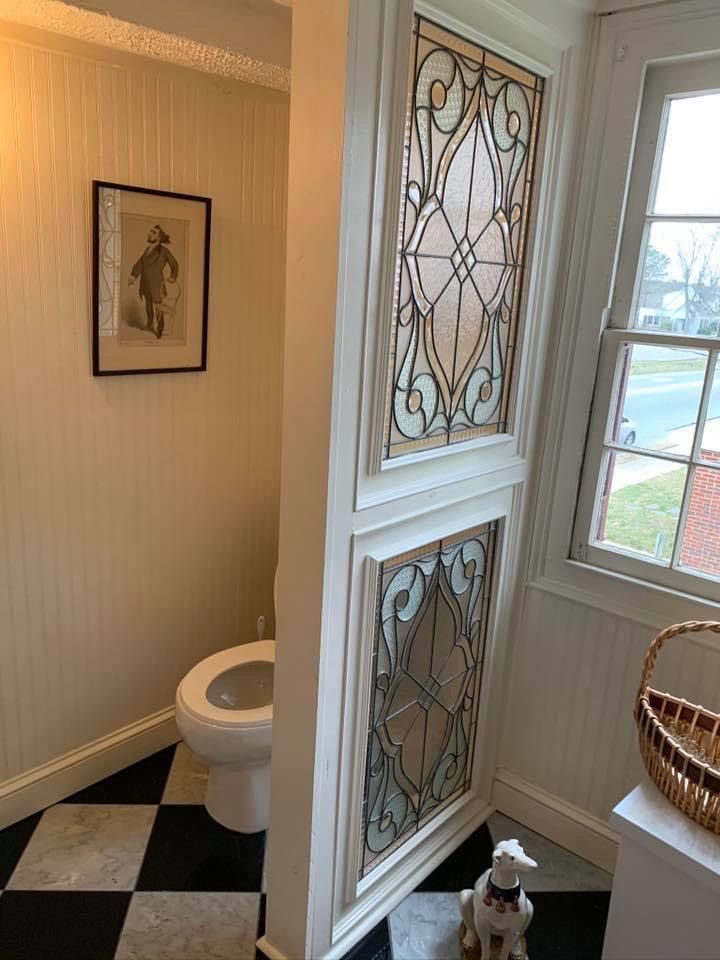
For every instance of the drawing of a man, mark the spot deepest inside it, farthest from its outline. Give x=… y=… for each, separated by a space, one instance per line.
x=150 y=268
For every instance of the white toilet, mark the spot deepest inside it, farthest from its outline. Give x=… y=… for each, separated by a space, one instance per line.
x=223 y=709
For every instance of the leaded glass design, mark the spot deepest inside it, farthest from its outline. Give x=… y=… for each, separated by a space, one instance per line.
x=426 y=676
x=470 y=151
x=109 y=261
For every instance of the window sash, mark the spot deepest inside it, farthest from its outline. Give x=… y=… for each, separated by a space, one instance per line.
x=599 y=445
x=663 y=85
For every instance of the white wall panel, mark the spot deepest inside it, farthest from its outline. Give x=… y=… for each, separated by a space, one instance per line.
x=138 y=515
x=569 y=726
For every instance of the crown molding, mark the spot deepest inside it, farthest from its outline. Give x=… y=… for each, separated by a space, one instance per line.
x=100 y=28
x=619 y=6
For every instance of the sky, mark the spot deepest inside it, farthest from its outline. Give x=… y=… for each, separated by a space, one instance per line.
x=689 y=179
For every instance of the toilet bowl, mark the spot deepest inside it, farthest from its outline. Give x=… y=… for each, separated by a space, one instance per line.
x=223 y=709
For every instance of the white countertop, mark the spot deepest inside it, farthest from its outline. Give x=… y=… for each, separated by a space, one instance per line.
x=648 y=818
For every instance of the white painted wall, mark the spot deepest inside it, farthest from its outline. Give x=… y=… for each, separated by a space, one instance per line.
x=576 y=669
x=138 y=515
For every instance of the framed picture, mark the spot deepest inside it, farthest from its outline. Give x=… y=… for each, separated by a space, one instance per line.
x=151 y=252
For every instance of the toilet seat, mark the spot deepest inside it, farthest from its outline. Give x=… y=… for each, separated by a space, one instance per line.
x=193 y=688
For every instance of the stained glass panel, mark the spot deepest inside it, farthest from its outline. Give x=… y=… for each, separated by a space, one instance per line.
x=426 y=675
x=470 y=149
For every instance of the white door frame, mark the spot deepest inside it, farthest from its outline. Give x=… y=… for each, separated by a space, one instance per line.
x=340 y=514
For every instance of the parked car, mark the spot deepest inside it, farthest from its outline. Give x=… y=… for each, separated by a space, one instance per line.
x=627 y=432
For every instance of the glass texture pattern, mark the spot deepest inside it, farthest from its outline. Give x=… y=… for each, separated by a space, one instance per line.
x=470 y=153
x=426 y=676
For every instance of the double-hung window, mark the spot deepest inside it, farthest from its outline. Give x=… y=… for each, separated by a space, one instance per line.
x=649 y=503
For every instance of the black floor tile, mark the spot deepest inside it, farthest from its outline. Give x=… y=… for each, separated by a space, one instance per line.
x=188 y=850
x=60 y=926
x=462 y=868
x=13 y=841
x=373 y=946
x=143 y=782
x=568 y=925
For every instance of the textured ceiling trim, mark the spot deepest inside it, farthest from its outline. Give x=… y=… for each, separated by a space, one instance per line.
x=101 y=28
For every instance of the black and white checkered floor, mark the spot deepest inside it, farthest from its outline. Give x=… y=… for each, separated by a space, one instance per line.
x=133 y=868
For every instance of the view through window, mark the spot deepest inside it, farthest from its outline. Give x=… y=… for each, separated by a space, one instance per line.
x=659 y=492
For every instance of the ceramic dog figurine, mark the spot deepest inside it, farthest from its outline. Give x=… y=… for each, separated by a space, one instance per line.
x=498 y=905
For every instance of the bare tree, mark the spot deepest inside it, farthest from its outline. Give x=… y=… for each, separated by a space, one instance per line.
x=699 y=261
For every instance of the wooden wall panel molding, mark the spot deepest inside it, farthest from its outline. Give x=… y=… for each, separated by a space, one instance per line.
x=576 y=671
x=570 y=827
x=62 y=777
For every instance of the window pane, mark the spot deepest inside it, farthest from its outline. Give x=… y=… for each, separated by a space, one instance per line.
x=640 y=505
x=425 y=686
x=659 y=398
x=467 y=188
x=688 y=181
x=710 y=446
x=680 y=279
x=701 y=540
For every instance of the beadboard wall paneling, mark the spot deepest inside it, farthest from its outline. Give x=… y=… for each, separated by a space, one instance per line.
x=569 y=726
x=138 y=515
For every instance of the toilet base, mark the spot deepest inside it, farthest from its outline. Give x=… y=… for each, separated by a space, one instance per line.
x=239 y=797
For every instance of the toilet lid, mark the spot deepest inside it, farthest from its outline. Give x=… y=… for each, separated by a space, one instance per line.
x=193 y=689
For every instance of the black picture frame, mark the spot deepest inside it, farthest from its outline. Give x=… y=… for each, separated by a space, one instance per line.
x=101 y=369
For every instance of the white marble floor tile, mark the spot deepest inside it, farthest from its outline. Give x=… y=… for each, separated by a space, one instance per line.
x=190 y=926
x=558 y=868
x=187 y=780
x=425 y=926
x=85 y=847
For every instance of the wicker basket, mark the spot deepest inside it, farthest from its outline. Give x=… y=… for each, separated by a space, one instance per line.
x=680 y=742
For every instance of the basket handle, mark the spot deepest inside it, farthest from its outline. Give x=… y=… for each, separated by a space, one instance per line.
x=689 y=626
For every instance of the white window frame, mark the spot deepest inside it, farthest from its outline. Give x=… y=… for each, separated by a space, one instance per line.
x=627 y=43
x=664 y=84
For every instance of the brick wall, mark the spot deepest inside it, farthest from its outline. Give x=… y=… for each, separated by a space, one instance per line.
x=701 y=543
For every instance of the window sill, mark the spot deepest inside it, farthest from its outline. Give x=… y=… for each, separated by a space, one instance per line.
x=622 y=596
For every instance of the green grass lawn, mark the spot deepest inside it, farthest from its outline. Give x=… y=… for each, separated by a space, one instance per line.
x=639 y=367
x=636 y=514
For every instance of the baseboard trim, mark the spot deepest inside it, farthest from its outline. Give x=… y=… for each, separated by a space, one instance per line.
x=569 y=826
x=271 y=952
x=53 y=781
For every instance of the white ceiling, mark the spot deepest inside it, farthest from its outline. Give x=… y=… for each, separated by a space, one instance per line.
x=256 y=28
